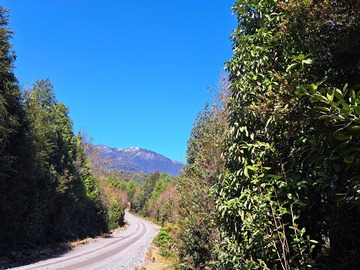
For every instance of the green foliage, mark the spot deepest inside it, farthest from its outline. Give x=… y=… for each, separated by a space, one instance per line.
x=84 y=172
x=199 y=234
x=68 y=198
x=155 y=198
x=257 y=195
x=197 y=242
x=332 y=158
x=16 y=149
x=115 y=215
x=48 y=192
x=130 y=190
x=161 y=184
x=286 y=199
x=164 y=240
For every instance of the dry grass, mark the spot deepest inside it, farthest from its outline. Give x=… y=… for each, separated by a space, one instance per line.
x=154 y=261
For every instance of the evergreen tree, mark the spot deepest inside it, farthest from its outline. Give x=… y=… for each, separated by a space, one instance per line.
x=47 y=190
x=16 y=153
x=68 y=198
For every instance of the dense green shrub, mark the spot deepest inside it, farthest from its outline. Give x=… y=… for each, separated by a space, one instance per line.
x=287 y=197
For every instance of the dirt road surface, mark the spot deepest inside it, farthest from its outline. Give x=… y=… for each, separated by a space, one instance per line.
x=124 y=250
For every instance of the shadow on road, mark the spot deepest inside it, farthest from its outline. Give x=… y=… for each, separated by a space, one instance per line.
x=22 y=258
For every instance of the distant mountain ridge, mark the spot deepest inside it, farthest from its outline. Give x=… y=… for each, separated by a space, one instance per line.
x=135 y=159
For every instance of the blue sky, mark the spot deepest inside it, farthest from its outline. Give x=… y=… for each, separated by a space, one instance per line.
x=133 y=73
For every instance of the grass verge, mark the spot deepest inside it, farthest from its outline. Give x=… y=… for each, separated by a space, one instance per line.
x=154 y=260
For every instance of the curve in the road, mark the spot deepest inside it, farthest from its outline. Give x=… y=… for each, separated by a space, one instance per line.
x=89 y=252
x=110 y=253
x=130 y=245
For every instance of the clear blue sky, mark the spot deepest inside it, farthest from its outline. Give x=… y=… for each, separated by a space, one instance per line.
x=133 y=73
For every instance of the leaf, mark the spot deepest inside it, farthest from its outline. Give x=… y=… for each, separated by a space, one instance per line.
x=345 y=88
x=246 y=173
x=355 y=128
x=357 y=110
x=341 y=137
x=313 y=88
x=300 y=203
x=253 y=168
x=329 y=97
x=300 y=57
x=307 y=61
x=346 y=106
x=349 y=159
x=321 y=98
x=338 y=94
x=274 y=176
x=324 y=109
x=290 y=67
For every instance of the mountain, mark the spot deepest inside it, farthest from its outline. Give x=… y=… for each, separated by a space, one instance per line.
x=135 y=159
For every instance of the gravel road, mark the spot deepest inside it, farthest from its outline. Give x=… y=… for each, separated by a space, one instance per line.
x=124 y=250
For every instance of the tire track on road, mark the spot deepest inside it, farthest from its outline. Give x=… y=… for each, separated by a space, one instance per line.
x=100 y=253
x=108 y=254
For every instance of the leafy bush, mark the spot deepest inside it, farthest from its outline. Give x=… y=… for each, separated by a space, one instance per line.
x=164 y=240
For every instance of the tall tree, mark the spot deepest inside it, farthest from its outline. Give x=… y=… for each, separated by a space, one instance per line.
x=199 y=234
x=68 y=197
x=16 y=151
x=291 y=146
x=330 y=150
x=47 y=190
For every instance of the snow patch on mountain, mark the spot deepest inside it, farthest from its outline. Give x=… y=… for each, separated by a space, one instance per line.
x=135 y=159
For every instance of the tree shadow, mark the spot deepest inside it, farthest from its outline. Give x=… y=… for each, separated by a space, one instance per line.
x=22 y=258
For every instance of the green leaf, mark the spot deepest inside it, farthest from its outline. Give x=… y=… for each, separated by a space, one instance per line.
x=253 y=168
x=246 y=173
x=290 y=67
x=329 y=97
x=349 y=159
x=300 y=203
x=274 y=176
x=321 y=98
x=341 y=137
x=346 y=107
x=357 y=110
x=338 y=94
x=355 y=128
x=299 y=57
x=324 y=109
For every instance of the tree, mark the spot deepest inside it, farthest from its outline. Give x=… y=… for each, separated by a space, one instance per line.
x=48 y=192
x=66 y=202
x=281 y=190
x=330 y=150
x=199 y=233
x=16 y=152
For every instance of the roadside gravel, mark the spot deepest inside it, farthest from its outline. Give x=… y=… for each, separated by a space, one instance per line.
x=125 y=250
